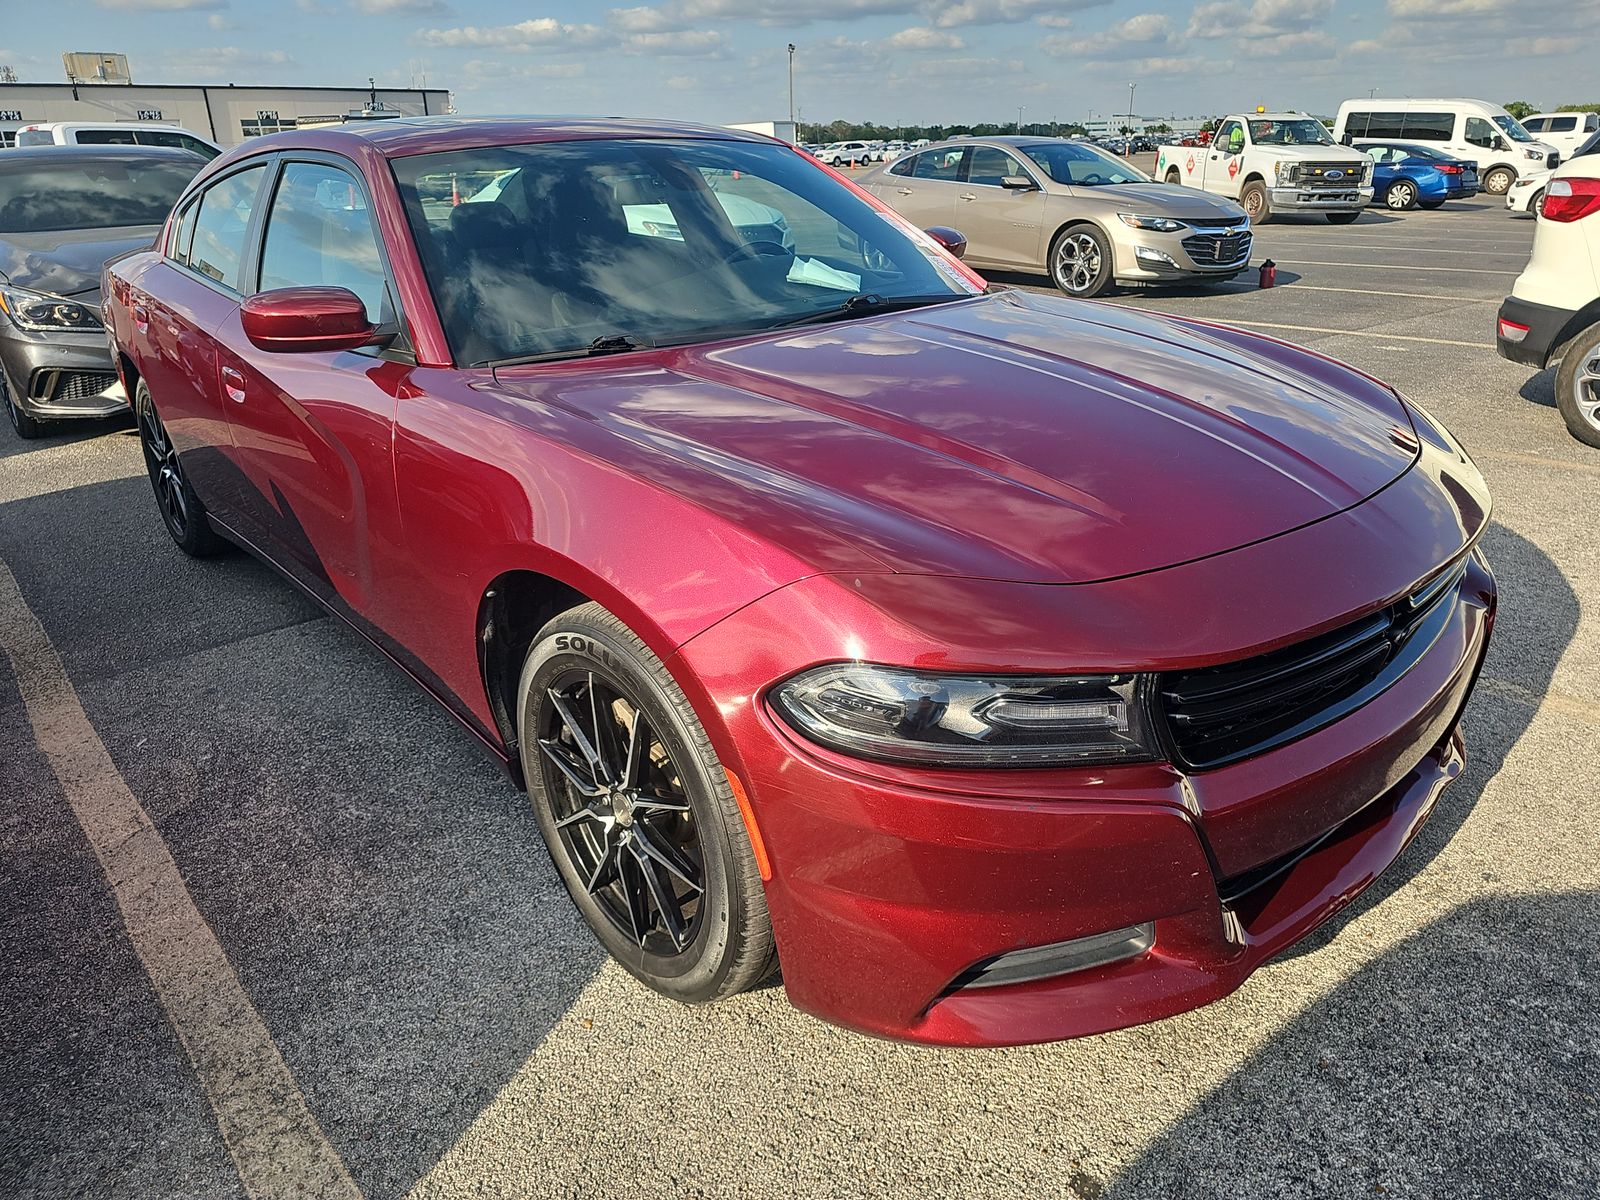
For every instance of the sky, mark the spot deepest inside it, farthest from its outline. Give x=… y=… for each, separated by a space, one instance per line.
x=890 y=61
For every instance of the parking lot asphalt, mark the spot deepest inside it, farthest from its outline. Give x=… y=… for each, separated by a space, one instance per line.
x=364 y=978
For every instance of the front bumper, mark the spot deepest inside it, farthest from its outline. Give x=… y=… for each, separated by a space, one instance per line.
x=1146 y=256
x=1320 y=199
x=1545 y=325
x=58 y=376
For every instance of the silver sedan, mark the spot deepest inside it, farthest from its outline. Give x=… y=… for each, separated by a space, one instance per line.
x=1084 y=217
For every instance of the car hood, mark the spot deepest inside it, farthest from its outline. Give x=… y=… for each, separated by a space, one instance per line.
x=67 y=262
x=1161 y=200
x=1013 y=436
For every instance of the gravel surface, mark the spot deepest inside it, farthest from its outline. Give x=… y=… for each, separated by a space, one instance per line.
x=381 y=894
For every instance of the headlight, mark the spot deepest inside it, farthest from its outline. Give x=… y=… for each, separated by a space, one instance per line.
x=1284 y=172
x=928 y=719
x=1537 y=155
x=41 y=313
x=1366 y=172
x=1154 y=224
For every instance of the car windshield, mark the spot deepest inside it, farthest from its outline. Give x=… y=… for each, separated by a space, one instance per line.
x=594 y=246
x=1512 y=128
x=1302 y=131
x=1077 y=163
x=37 y=196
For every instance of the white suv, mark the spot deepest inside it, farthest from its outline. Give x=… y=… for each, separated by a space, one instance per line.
x=1565 y=131
x=116 y=133
x=840 y=154
x=1553 y=311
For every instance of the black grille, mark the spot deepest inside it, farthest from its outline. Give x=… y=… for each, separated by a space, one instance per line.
x=63 y=387
x=1335 y=175
x=1217 y=249
x=1218 y=715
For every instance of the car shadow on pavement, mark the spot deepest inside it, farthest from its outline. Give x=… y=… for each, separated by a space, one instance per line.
x=1246 y=281
x=1540 y=388
x=61 y=433
x=377 y=883
x=1466 y=1054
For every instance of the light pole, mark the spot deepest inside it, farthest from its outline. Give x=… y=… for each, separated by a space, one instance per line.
x=1020 y=108
x=791 y=91
x=1131 y=86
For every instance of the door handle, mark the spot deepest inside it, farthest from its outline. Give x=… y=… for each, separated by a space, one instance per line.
x=233 y=384
x=968 y=196
x=141 y=317
x=905 y=191
x=1214 y=157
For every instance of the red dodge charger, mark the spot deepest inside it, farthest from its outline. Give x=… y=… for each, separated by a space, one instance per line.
x=1010 y=668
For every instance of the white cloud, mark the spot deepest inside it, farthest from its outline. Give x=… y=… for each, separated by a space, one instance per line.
x=401 y=8
x=223 y=62
x=162 y=5
x=1136 y=36
x=677 y=43
x=539 y=33
x=922 y=38
x=218 y=23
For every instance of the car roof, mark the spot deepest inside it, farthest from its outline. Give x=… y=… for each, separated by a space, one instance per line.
x=405 y=136
x=74 y=153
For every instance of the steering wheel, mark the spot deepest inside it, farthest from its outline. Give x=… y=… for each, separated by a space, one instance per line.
x=752 y=250
x=1091 y=177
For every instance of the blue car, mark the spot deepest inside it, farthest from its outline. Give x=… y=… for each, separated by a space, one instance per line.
x=1411 y=176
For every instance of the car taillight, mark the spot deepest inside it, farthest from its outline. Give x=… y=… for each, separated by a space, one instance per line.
x=1449 y=169
x=1571 y=199
x=1511 y=331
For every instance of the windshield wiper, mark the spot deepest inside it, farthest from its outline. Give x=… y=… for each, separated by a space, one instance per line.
x=606 y=343
x=860 y=306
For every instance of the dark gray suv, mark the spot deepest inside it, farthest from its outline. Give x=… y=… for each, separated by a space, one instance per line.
x=65 y=210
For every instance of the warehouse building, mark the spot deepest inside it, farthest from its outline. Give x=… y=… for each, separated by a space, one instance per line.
x=226 y=114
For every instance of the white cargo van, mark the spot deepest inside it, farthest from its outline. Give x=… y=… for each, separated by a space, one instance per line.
x=116 y=133
x=1565 y=131
x=1468 y=129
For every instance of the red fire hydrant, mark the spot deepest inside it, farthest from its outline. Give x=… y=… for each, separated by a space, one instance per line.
x=1269 y=273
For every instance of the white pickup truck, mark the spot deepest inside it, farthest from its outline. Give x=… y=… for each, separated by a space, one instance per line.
x=1275 y=162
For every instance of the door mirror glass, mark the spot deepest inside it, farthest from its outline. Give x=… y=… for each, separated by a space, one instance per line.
x=306 y=319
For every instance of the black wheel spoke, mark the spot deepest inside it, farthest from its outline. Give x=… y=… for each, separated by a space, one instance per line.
x=650 y=804
x=638 y=745
x=661 y=894
x=667 y=857
x=634 y=897
x=558 y=754
x=604 y=868
x=583 y=814
x=585 y=746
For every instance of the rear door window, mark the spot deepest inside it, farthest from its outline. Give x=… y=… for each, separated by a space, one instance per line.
x=941 y=164
x=221 y=226
x=104 y=137
x=1427 y=126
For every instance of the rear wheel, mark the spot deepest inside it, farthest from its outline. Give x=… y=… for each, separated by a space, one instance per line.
x=1173 y=176
x=1536 y=205
x=1402 y=194
x=1256 y=202
x=26 y=426
x=181 y=510
x=1578 y=387
x=1349 y=218
x=1498 y=181
x=638 y=815
x=1080 y=261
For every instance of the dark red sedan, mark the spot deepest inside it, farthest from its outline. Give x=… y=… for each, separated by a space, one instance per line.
x=1011 y=668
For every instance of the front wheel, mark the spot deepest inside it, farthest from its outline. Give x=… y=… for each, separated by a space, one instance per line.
x=1498 y=181
x=1256 y=202
x=1349 y=218
x=26 y=426
x=1080 y=262
x=638 y=815
x=1401 y=196
x=1578 y=387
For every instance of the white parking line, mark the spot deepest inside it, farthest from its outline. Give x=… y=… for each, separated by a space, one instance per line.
x=1312 y=262
x=1382 y=337
x=1306 y=287
x=276 y=1144
x=1408 y=249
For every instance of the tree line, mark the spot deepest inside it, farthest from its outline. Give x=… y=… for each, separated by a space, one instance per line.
x=856 y=131
x=1521 y=108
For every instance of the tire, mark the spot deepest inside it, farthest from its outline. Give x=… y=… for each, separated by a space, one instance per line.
x=1402 y=195
x=1349 y=218
x=1256 y=202
x=1578 y=387
x=1498 y=181
x=628 y=836
x=1536 y=204
x=1430 y=205
x=1080 y=261
x=181 y=510
x=26 y=426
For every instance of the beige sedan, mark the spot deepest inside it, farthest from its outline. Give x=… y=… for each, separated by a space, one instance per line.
x=1082 y=216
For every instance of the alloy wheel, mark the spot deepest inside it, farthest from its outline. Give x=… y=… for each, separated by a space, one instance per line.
x=161 y=457
x=1077 y=265
x=1400 y=196
x=621 y=811
x=1586 y=389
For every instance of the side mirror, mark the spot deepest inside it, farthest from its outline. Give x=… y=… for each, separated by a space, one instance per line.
x=951 y=239
x=1500 y=143
x=299 y=320
x=1016 y=183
